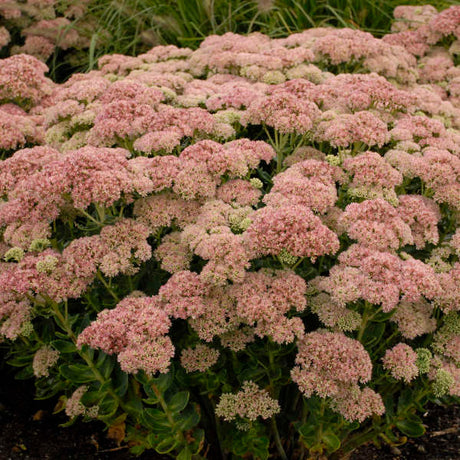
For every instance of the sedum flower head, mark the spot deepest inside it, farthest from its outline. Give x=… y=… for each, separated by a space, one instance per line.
x=15 y=254
x=401 y=362
x=199 y=358
x=249 y=403
x=256 y=183
x=442 y=383
x=44 y=359
x=423 y=361
x=47 y=264
x=39 y=244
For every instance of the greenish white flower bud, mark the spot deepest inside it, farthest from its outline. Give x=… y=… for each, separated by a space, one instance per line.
x=423 y=362
x=442 y=383
x=14 y=255
x=47 y=265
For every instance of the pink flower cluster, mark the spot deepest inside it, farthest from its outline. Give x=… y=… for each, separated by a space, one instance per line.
x=332 y=365
x=378 y=277
x=249 y=403
x=135 y=330
x=401 y=362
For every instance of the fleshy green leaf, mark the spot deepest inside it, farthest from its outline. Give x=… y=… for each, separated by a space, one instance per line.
x=166 y=445
x=410 y=428
x=179 y=401
x=77 y=373
x=64 y=346
x=331 y=441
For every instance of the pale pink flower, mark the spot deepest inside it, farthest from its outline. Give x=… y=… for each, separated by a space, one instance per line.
x=4 y=37
x=293 y=228
x=310 y=183
x=401 y=362
x=40 y=47
x=44 y=358
x=376 y=224
x=326 y=361
x=343 y=130
x=200 y=358
x=182 y=295
x=448 y=298
x=370 y=169
x=126 y=246
x=422 y=215
x=249 y=403
x=355 y=404
x=23 y=81
x=239 y=191
x=414 y=318
x=74 y=406
x=135 y=330
x=165 y=210
x=283 y=111
x=174 y=255
x=158 y=141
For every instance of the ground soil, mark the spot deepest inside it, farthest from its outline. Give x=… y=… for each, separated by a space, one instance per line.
x=28 y=430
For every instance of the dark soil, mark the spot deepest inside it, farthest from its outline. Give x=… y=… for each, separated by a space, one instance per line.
x=26 y=433
x=441 y=441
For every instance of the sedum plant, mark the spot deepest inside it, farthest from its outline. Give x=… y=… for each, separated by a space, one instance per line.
x=250 y=250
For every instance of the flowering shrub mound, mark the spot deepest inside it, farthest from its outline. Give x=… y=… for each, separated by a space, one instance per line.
x=250 y=249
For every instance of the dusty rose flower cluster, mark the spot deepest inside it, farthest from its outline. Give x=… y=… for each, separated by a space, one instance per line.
x=246 y=192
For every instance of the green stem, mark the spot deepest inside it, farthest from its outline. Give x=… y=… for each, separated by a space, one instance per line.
x=365 y=320
x=104 y=282
x=354 y=442
x=101 y=213
x=301 y=259
x=386 y=342
x=168 y=414
x=90 y=217
x=279 y=445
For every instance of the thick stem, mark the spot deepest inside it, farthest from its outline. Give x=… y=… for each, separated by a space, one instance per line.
x=279 y=445
x=90 y=217
x=109 y=289
x=168 y=414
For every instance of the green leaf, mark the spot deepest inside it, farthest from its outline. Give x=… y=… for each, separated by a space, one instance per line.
x=64 y=346
x=198 y=441
x=164 y=381
x=20 y=361
x=107 y=408
x=187 y=419
x=120 y=382
x=260 y=447
x=410 y=428
x=77 y=373
x=105 y=364
x=184 y=454
x=251 y=373
x=166 y=445
x=137 y=449
x=405 y=399
x=373 y=334
x=24 y=374
x=179 y=401
x=331 y=441
x=307 y=430
x=156 y=420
